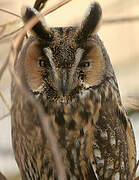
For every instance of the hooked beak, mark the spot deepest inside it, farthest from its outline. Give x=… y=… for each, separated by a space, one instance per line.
x=62 y=83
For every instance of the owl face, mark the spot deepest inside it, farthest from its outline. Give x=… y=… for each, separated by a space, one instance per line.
x=61 y=62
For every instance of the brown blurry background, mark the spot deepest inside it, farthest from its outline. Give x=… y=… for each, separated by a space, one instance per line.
x=121 y=41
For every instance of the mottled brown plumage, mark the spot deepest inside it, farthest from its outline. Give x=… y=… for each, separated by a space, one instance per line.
x=68 y=70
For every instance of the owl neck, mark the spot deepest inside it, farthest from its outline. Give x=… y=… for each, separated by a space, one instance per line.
x=87 y=105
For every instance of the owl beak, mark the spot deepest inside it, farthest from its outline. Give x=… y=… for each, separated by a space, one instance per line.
x=64 y=82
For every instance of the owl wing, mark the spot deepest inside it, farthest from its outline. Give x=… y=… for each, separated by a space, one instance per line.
x=131 y=145
x=114 y=151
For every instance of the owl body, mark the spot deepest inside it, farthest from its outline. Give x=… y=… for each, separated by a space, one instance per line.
x=68 y=71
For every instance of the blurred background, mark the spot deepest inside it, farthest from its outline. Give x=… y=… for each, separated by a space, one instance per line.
x=121 y=40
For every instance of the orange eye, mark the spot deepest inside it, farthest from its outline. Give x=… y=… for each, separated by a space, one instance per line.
x=85 y=64
x=42 y=62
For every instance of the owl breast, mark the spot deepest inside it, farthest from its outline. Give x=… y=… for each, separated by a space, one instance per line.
x=88 y=134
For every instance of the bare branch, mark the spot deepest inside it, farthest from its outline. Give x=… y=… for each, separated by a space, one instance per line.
x=39 y=4
x=6 y=11
x=134 y=172
x=2 y=177
x=5 y=101
x=132 y=102
x=11 y=33
x=4 y=116
x=121 y=20
x=3 y=27
x=9 y=25
x=60 y=4
x=4 y=66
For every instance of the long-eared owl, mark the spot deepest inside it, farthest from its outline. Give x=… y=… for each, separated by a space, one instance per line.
x=68 y=70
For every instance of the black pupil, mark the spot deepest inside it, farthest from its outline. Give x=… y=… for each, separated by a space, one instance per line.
x=85 y=64
x=44 y=62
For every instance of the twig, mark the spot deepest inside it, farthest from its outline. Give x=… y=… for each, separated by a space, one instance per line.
x=134 y=171
x=39 y=4
x=2 y=177
x=3 y=27
x=4 y=116
x=60 y=4
x=4 y=66
x=132 y=102
x=6 y=11
x=9 y=23
x=5 y=101
x=11 y=33
x=120 y=20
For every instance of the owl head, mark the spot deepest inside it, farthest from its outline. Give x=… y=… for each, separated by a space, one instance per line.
x=62 y=62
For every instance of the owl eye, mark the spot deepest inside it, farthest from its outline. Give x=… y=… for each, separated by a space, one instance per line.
x=43 y=63
x=84 y=64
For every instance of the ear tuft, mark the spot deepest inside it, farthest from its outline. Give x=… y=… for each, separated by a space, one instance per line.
x=91 y=21
x=39 y=30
